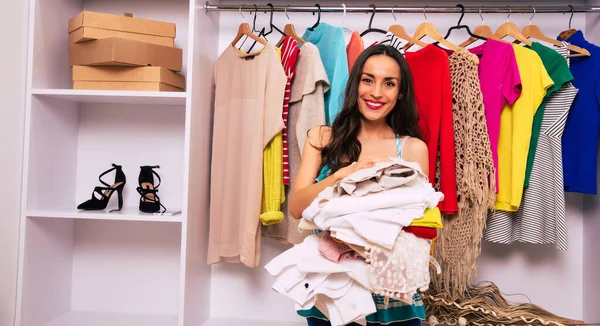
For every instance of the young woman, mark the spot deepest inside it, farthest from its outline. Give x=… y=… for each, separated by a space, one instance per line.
x=379 y=119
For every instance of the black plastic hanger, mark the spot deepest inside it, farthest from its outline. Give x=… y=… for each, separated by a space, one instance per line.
x=318 y=18
x=271 y=22
x=370 y=29
x=571 y=18
x=261 y=33
x=459 y=26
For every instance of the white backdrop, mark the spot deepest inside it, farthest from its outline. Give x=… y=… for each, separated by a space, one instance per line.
x=537 y=271
x=550 y=278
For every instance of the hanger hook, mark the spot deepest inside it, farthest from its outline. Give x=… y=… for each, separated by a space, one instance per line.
x=241 y=14
x=344 y=15
x=393 y=14
x=271 y=18
x=254 y=20
x=462 y=13
x=531 y=18
x=372 y=15
x=509 y=13
x=318 y=17
x=272 y=11
x=481 y=16
x=424 y=13
x=572 y=11
x=286 y=14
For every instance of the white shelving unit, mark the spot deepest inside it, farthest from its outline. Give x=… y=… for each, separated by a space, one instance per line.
x=101 y=96
x=129 y=268
x=125 y=268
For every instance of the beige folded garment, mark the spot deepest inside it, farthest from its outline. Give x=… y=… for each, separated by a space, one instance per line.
x=384 y=175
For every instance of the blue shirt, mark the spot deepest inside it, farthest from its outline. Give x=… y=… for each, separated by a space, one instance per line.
x=332 y=45
x=580 y=138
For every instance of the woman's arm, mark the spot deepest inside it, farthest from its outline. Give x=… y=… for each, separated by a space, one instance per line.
x=304 y=189
x=415 y=150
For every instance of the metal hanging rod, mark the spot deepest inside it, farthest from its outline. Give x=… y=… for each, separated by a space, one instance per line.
x=397 y=9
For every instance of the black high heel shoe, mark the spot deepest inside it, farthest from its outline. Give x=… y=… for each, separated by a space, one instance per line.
x=101 y=195
x=149 y=200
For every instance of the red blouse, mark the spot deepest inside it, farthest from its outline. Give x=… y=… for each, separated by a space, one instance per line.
x=433 y=92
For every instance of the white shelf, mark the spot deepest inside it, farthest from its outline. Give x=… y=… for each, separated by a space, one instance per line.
x=125 y=97
x=126 y=214
x=76 y=318
x=249 y=322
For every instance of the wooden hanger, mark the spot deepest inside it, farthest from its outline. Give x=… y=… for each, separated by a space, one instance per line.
x=564 y=35
x=510 y=29
x=289 y=30
x=482 y=30
x=428 y=29
x=535 y=32
x=244 y=30
x=580 y=52
x=400 y=32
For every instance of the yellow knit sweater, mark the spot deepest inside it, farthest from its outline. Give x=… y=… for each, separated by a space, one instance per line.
x=273 y=193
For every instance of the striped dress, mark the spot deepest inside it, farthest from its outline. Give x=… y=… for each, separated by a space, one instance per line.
x=289 y=57
x=541 y=217
x=394 y=312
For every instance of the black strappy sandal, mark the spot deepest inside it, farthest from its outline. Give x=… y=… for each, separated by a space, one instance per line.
x=101 y=195
x=149 y=200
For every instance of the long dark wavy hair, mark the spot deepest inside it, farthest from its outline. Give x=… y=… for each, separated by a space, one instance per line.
x=344 y=147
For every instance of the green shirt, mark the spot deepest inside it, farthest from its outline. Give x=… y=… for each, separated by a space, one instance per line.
x=558 y=69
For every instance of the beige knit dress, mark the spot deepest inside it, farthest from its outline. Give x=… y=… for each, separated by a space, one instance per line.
x=458 y=244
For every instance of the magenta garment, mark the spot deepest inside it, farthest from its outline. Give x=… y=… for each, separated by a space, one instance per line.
x=500 y=83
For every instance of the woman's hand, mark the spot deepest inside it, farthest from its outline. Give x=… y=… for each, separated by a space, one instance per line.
x=361 y=164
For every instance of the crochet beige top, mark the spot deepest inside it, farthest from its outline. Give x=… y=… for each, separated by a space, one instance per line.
x=459 y=242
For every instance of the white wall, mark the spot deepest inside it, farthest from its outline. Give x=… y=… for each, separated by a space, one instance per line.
x=13 y=33
x=591 y=215
x=550 y=278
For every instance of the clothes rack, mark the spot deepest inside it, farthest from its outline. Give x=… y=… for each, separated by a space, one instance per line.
x=414 y=9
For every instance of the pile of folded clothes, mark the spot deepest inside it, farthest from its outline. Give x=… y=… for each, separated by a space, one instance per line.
x=377 y=226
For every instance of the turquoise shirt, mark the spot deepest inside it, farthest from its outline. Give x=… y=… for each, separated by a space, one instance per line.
x=331 y=43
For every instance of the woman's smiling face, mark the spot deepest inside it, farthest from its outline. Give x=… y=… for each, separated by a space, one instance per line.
x=378 y=89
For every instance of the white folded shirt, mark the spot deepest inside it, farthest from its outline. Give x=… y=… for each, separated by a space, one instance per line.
x=392 y=198
x=326 y=206
x=341 y=291
x=380 y=226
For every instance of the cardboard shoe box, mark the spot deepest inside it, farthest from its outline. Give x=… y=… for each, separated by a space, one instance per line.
x=122 y=52
x=91 y=33
x=127 y=78
x=89 y=25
